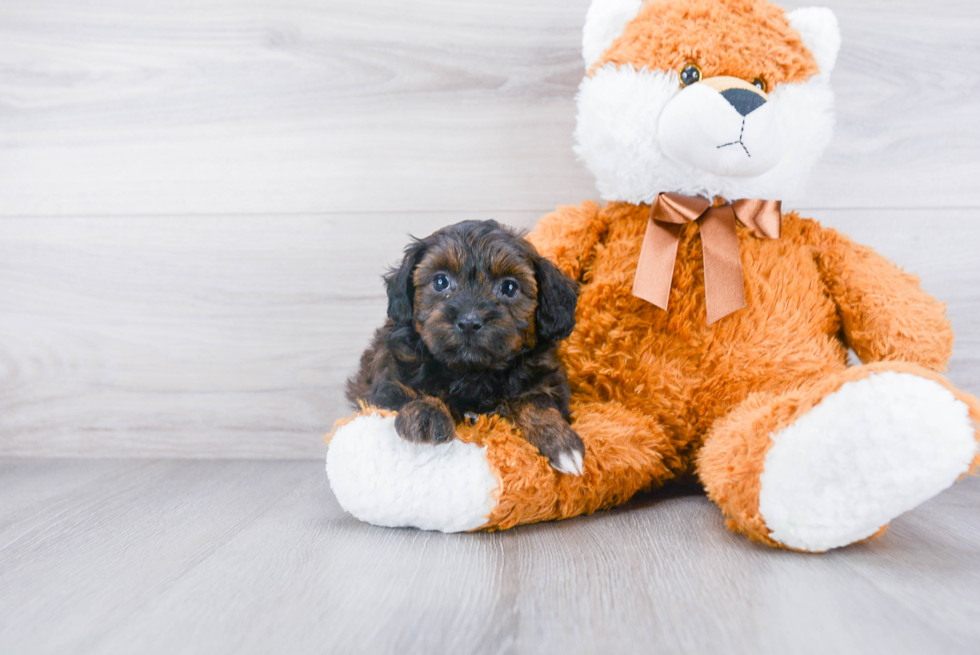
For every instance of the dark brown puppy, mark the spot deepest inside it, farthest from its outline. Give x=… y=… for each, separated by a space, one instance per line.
x=474 y=314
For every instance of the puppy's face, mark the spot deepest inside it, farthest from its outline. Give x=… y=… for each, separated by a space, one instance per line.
x=480 y=295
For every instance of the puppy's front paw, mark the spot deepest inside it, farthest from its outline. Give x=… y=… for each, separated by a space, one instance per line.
x=426 y=420
x=561 y=445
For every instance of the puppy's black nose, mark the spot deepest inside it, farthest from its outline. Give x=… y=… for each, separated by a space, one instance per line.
x=744 y=101
x=469 y=323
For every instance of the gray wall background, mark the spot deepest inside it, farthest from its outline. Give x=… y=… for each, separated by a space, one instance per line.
x=197 y=198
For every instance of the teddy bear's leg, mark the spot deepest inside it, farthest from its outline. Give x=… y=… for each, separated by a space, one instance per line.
x=490 y=477
x=832 y=463
x=625 y=452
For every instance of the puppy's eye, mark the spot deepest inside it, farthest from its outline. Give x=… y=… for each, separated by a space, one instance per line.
x=690 y=74
x=760 y=84
x=509 y=288
x=440 y=282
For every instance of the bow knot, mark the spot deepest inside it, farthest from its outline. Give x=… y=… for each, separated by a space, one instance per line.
x=723 y=279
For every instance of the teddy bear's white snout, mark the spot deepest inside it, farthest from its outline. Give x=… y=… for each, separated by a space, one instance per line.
x=723 y=129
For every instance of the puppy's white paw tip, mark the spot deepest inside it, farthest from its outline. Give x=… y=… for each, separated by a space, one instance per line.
x=570 y=463
x=383 y=479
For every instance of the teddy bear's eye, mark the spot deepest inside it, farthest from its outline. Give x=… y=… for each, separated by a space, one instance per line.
x=760 y=84
x=690 y=74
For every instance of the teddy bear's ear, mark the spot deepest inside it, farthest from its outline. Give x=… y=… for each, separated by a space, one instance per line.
x=820 y=32
x=604 y=23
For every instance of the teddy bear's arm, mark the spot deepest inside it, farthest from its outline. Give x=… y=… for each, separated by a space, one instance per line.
x=568 y=236
x=886 y=315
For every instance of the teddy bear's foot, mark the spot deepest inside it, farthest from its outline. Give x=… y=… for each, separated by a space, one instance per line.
x=381 y=478
x=835 y=465
x=872 y=450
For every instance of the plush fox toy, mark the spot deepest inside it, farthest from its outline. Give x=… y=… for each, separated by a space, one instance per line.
x=712 y=328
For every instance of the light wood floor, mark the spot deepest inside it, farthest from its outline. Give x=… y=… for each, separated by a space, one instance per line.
x=178 y=556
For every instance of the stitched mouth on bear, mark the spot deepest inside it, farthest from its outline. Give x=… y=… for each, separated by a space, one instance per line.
x=744 y=102
x=739 y=142
x=731 y=131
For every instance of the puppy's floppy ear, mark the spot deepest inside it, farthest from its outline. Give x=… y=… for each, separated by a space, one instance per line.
x=401 y=288
x=557 y=297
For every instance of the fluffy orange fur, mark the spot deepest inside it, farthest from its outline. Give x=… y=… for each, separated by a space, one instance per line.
x=648 y=384
x=731 y=461
x=658 y=395
x=667 y=35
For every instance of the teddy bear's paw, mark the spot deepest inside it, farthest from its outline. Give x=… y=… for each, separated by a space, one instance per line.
x=381 y=478
x=875 y=448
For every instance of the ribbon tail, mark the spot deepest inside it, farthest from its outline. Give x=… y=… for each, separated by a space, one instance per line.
x=763 y=217
x=724 y=284
x=655 y=268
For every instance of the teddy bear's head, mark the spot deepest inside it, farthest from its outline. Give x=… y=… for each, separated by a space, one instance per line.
x=725 y=98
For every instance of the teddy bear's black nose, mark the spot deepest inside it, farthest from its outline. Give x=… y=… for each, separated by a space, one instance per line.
x=744 y=101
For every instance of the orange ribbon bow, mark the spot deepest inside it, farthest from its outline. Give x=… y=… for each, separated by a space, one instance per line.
x=724 y=285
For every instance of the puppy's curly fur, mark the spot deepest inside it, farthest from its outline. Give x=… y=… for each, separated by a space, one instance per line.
x=474 y=315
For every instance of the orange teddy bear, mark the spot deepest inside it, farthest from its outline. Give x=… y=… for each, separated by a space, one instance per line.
x=712 y=330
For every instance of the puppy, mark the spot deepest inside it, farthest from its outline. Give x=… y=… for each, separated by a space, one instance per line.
x=474 y=314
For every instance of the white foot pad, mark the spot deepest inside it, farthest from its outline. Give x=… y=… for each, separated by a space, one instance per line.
x=382 y=479
x=872 y=450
